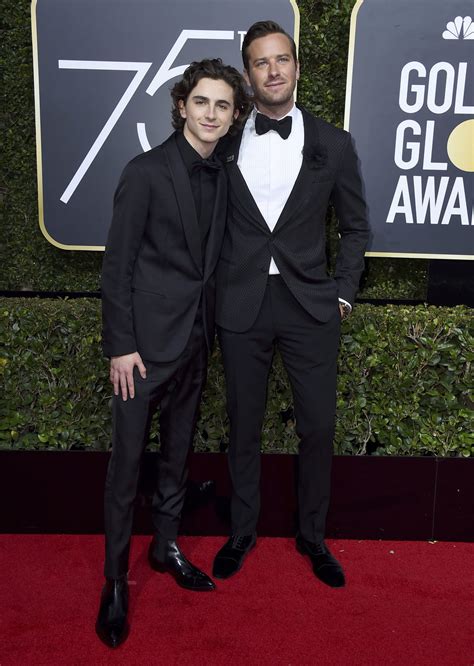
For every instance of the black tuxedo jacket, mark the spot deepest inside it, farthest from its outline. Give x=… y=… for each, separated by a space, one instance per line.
x=153 y=275
x=329 y=172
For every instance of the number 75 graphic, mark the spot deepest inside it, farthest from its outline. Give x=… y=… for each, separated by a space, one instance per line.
x=164 y=74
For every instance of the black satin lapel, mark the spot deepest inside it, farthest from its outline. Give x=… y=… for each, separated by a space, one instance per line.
x=216 y=232
x=298 y=195
x=185 y=201
x=303 y=187
x=243 y=195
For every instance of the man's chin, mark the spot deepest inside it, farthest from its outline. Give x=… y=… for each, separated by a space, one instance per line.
x=274 y=102
x=211 y=138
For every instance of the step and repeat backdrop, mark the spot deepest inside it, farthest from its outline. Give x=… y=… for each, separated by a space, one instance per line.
x=104 y=68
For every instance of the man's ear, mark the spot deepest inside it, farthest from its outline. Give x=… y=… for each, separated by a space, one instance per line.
x=236 y=114
x=297 y=70
x=246 y=78
x=182 y=108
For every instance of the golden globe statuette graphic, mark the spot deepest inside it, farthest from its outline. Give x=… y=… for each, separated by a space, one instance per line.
x=461 y=146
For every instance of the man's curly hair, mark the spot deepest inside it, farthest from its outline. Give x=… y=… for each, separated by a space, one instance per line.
x=210 y=69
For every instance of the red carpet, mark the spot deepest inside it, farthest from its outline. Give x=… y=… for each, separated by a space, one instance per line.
x=406 y=603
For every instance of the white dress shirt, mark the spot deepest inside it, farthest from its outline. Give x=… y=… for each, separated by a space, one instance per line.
x=270 y=166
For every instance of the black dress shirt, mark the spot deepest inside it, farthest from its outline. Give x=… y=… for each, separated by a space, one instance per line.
x=203 y=185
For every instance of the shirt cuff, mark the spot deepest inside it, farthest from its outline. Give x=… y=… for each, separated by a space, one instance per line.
x=342 y=300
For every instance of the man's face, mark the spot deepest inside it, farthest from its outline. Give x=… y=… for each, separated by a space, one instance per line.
x=272 y=73
x=208 y=113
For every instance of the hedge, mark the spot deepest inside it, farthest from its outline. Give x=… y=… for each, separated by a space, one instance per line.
x=29 y=262
x=404 y=383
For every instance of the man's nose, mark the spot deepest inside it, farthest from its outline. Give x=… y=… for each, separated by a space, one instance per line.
x=273 y=69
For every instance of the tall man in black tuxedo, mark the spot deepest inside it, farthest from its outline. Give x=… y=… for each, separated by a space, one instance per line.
x=273 y=288
x=158 y=298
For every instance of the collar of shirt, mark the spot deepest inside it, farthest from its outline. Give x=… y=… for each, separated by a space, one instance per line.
x=188 y=153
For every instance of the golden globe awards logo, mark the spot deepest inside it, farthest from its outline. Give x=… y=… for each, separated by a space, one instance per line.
x=411 y=113
x=441 y=90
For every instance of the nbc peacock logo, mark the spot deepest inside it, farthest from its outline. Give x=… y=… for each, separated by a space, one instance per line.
x=460 y=28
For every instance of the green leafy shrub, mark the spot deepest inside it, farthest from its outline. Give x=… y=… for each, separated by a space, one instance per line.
x=404 y=388
x=54 y=377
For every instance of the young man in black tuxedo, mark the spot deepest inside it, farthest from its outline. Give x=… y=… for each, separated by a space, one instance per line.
x=273 y=288
x=158 y=299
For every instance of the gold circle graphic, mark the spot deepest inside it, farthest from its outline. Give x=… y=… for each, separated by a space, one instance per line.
x=461 y=146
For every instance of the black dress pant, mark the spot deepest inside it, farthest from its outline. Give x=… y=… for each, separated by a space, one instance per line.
x=177 y=388
x=309 y=352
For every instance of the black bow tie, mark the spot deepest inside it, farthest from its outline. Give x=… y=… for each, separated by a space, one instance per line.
x=211 y=163
x=264 y=124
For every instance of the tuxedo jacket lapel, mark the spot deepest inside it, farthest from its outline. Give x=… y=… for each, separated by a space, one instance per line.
x=185 y=201
x=238 y=184
x=218 y=221
x=303 y=188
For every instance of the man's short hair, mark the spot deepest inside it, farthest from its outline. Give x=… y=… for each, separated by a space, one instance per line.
x=210 y=69
x=262 y=29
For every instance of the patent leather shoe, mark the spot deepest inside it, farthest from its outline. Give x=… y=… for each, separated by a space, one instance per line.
x=325 y=565
x=232 y=554
x=111 y=626
x=184 y=573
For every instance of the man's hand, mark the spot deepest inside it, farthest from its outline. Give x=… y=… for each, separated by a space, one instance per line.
x=121 y=373
x=344 y=310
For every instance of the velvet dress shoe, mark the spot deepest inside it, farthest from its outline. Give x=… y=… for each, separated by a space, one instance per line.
x=112 y=627
x=184 y=573
x=232 y=554
x=325 y=565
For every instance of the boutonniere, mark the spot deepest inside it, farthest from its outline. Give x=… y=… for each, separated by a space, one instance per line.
x=315 y=155
x=229 y=158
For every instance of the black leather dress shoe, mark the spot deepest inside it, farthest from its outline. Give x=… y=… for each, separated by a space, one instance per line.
x=232 y=554
x=325 y=565
x=112 y=627
x=185 y=573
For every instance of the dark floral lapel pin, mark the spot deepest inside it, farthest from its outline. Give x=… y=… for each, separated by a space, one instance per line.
x=315 y=155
